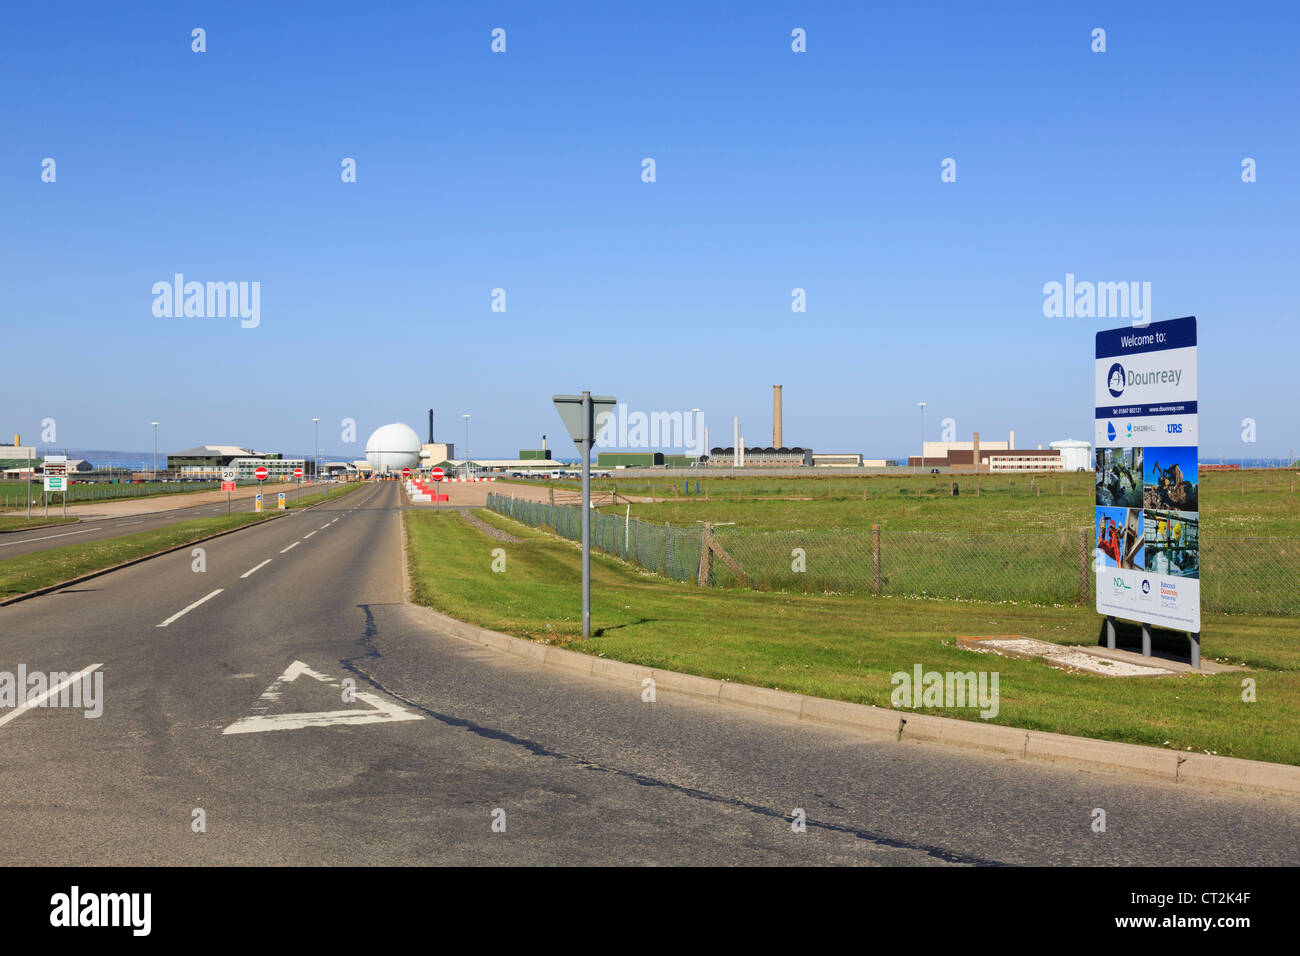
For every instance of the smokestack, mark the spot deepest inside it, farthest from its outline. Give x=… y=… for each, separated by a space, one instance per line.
x=776 y=416
x=1011 y=443
x=975 y=455
x=543 y=446
x=708 y=450
x=735 y=442
x=431 y=426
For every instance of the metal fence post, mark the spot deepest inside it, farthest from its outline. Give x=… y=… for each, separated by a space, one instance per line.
x=875 y=559
x=1084 y=566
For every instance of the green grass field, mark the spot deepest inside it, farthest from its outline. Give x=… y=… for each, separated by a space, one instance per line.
x=846 y=647
x=1250 y=503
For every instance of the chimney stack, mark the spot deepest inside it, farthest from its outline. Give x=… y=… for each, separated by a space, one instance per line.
x=735 y=442
x=1011 y=443
x=975 y=454
x=431 y=426
x=776 y=416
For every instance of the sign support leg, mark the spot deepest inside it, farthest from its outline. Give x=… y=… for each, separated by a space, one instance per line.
x=586 y=514
x=1110 y=633
x=1196 y=649
x=1146 y=639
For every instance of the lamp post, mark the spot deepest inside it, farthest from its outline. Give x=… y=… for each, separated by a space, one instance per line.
x=155 y=450
x=315 y=464
x=467 y=466
x=922 y=404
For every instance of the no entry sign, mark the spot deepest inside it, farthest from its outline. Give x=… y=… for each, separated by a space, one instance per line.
x=261 y=473
x=297 y=472
x=436 y=474
x=406 y=473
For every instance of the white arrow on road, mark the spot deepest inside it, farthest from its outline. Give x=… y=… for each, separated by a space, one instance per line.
x=258 y=721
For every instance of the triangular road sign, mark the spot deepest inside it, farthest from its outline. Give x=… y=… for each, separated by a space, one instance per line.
x=570 y=409
x=259 y=720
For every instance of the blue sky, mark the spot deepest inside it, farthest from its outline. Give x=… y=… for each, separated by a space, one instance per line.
x=522 y=171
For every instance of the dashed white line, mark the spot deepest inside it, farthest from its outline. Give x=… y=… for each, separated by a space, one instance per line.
x=190 y=608
x=291 y=547
x=251 y=570
x=308 y=535
x=46 y=537
x=41 y=698
x=325 y=525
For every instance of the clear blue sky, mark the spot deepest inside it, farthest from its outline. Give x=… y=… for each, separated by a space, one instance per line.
x=522 y=171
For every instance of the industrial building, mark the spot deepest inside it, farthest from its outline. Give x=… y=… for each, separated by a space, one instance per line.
x=990 y=456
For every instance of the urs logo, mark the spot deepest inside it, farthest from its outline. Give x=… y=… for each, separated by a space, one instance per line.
x=1175 y=429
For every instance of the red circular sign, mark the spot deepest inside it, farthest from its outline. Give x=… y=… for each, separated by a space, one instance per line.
x=261 y=473
x=406 y=473
x=436 y=474
x=297 y=472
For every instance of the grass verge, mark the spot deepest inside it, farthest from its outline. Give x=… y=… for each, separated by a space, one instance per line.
x=846 y=647
x=23 y=523
x=29 y=572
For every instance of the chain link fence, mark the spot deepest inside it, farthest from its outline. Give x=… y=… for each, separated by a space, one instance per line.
x=1244 y=575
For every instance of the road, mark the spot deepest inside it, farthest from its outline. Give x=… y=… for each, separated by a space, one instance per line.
x=580 y=770
x=96 y=528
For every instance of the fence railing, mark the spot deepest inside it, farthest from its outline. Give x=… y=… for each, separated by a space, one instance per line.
x=1257 y=575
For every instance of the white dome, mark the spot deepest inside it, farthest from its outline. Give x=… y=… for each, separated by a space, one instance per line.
x=393 y=447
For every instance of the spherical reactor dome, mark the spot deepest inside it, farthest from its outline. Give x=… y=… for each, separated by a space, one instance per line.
x=393 y=447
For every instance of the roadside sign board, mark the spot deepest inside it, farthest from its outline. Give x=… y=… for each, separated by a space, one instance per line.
x=261 y=473
x=570 y=409
x=1147 y=527
x=56 y=472
x=279 y=501
x=227 y=486
x=406 y=473
x=297 y=472
x=229 y=474
x=436 y=474
x=257 y=502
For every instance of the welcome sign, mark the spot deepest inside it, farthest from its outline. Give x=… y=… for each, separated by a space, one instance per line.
x=1147 y=528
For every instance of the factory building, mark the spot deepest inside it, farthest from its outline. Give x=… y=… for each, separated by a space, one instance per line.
x=992 y=456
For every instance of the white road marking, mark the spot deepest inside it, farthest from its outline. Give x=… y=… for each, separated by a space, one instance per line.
x=325 y=525
x=127 y=524
x=383 y=712
x=291 y=547
x=46 y=537
x=308 y=535
x=251 y=570
x=41 y=698
x=190 y=608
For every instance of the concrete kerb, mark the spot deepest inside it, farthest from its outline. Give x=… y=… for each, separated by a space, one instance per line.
x=149 y=557
x=902 y=725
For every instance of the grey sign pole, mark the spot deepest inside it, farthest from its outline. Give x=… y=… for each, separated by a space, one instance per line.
x=579 y=415
x=586 y=514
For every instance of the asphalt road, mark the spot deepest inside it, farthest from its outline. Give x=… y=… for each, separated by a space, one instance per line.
x=15 y=543
x=581 y=771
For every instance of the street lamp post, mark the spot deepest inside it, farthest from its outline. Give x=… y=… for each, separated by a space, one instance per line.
x=467 y=464
x=155 y=450
x=315 y=465
x=922 y=404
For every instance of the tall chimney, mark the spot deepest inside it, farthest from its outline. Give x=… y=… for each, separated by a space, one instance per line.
x=543 y=446
x=735 y=442
x=975 y=454
x=1012 y=442
x=431 y=426
x=776 y=416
